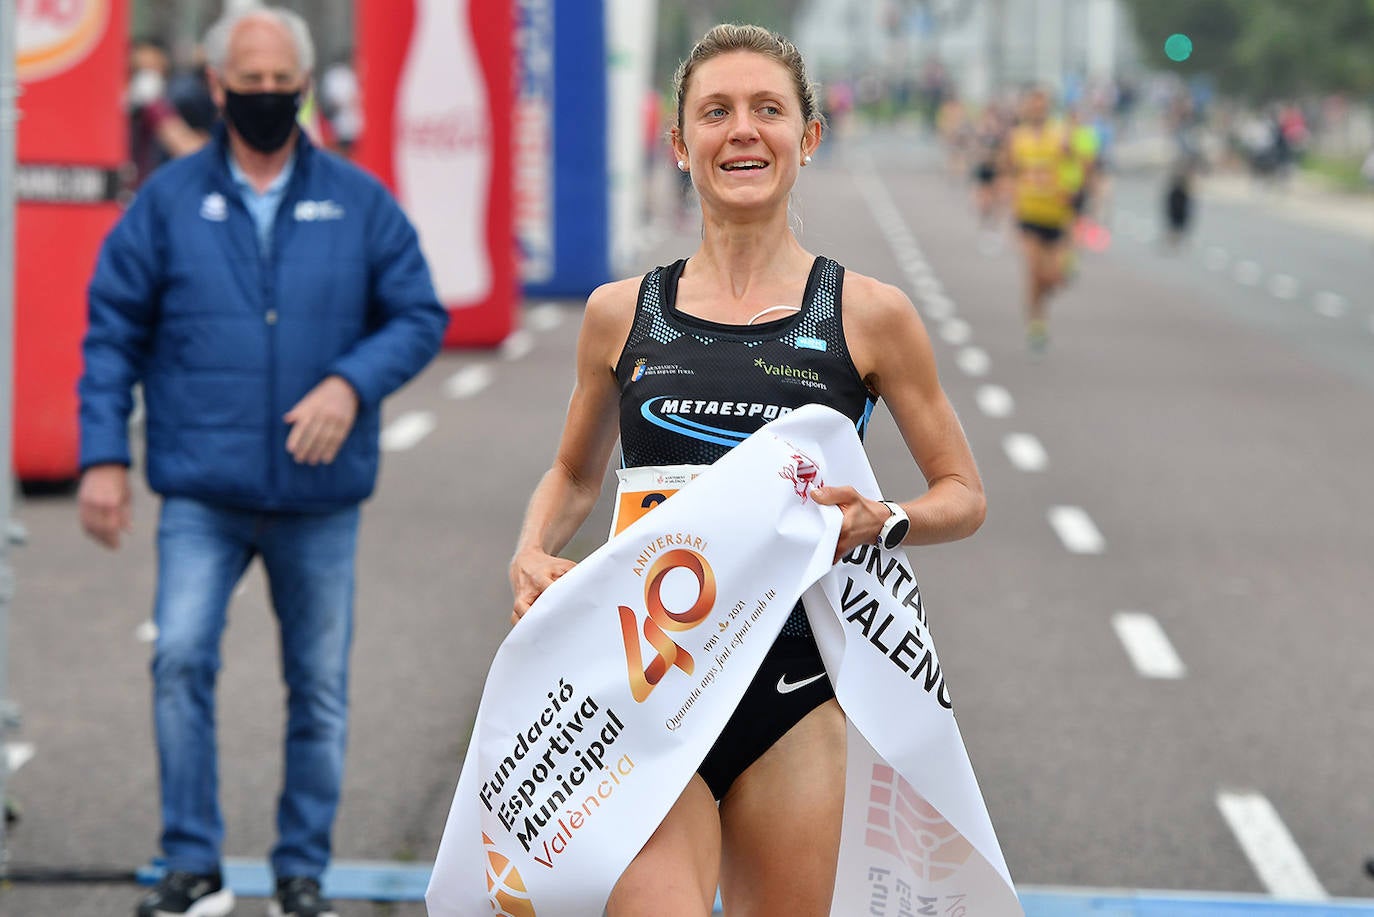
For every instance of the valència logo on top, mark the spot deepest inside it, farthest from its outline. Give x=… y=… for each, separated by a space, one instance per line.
x=56 y=35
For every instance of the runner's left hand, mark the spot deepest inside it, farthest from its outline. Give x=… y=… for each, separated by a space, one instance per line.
x=863 y=518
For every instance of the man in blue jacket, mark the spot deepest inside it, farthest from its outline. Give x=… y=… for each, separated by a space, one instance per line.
x=268 y=296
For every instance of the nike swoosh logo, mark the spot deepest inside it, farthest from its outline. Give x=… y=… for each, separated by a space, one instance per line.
x=786 y=687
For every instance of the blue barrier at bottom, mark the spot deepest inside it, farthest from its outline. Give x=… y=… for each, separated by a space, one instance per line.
x=347 y=880
x=1082 y=902
x=375 y=880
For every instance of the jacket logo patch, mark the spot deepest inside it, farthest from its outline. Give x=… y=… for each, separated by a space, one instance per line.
x=317 y=211
x=214 y=208
x=811 y=343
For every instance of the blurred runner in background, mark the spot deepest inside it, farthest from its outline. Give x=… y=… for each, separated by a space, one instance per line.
x=1034 y=159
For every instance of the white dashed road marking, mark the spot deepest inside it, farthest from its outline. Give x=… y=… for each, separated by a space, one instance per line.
x=1330 y=305
x=146 y=632
x=1248 y=273
x=517 y=346
x=407 y=430
x=974 y=361
x=1147 y=645
x=929 y=286
x=1076 y=530
x=545 y=317
x=1025 y=452
x=956 y=331
x=995 y=401
x=1283 y=286
x=938 y=307
x=468 y=382
x=1269 y=847
x=1216 y=259
x=17 y=754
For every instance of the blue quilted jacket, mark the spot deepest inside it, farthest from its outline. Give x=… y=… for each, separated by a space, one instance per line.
x=226 y=340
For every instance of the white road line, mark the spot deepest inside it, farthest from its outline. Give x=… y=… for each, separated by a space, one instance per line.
x=1284 y=286
x=17 y=754
x=1216 y=258
x=929 y=286
x=1025 y=452
x=146 y=632
x=956 y=331
x=468 y=381
x=974 y=361
x=517 y=345
x=1248 y=273
x=1076 y=530
x=1269 y=847
x=544 y=317
x=1147 y=645
x=1330 y=305
x=407 y=430
x=939 y=307
x=995 y=401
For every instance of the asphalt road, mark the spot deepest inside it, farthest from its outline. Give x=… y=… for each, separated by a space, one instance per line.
x=1192 y=453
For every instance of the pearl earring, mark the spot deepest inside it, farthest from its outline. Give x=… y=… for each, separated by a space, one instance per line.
x=806 y=160
x=682 y=165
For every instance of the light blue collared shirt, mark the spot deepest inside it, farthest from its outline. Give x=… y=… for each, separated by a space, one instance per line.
x=262 y=207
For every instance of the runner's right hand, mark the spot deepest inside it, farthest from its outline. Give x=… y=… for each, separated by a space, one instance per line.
x=531 y=572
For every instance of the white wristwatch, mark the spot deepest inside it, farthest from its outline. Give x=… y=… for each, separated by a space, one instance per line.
x=895 y=528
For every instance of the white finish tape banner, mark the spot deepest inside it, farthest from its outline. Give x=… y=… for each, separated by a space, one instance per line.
x=602 y=702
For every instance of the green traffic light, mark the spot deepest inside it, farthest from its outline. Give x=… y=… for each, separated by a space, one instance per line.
x=1178 y=47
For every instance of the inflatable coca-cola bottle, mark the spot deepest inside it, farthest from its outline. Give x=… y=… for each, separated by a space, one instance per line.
x=443 y=150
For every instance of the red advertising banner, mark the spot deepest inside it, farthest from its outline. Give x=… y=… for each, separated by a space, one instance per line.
x=72 y=66
x=437 y=83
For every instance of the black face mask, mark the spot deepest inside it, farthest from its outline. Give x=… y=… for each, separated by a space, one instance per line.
x=263 y=119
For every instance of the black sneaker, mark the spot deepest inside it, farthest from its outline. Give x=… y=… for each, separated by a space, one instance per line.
x=300 y=896
x=189 y=895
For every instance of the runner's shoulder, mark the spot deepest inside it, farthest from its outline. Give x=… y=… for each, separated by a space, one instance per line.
x=874 y=304
x=616 y=298
x=610 y=311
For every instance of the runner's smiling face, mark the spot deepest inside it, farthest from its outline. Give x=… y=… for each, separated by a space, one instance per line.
x=742 y=131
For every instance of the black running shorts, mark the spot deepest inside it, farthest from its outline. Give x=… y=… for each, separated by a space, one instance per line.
x=790 y=683
x=1050 y=235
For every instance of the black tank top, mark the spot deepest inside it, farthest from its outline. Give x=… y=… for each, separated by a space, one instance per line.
x=692 y=389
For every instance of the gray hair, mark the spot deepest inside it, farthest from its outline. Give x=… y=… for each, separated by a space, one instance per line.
x=217 y=38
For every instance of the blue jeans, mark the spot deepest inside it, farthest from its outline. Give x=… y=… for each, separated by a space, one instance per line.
x=203 y=550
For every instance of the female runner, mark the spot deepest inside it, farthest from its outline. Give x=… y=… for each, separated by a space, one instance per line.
x=695 y=355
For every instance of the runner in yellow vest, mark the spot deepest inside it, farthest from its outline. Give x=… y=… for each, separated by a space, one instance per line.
x=1034 y=158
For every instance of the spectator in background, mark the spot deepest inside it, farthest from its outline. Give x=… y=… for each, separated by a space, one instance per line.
x=157 y=130
x=341 y=102
x=189 y=90
x=268 y=295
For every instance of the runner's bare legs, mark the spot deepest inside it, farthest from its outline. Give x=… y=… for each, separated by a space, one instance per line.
x=675 y=873
x=781 y=823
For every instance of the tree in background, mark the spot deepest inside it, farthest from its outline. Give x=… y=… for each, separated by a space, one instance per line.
x=1261 y=50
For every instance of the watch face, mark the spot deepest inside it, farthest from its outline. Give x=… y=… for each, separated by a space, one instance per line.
x=896 y=533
